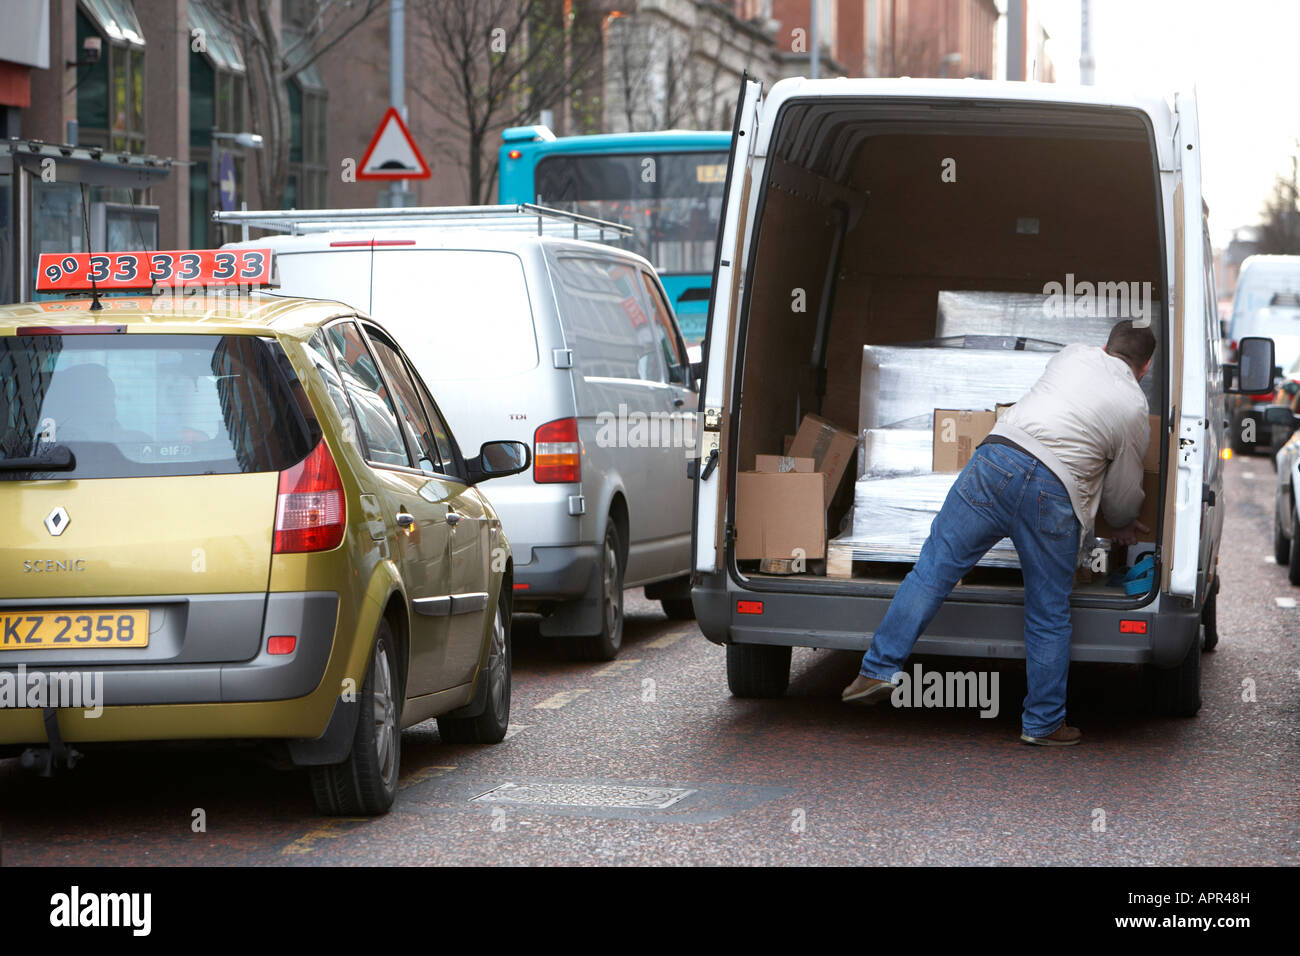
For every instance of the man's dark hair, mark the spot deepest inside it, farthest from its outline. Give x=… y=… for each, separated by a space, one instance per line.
x=1133 y=345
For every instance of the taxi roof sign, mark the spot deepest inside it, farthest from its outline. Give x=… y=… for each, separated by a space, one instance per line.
x=113 y=271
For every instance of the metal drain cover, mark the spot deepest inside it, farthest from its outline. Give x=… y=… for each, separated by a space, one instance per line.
x=585 y=795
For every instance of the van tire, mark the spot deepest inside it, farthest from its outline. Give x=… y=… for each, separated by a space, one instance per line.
x=758 y=670
x=365 y=784
x=491 y=725
x=605 y=645
x=1176 y=691
x=1210 y=617
x=678 y=609
x=1281 y=543
x=1293 y=560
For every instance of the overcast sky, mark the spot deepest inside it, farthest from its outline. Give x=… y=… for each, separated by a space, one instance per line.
x=1242 y=58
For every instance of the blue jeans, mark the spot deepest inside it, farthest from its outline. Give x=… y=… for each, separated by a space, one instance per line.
x=1002 y=492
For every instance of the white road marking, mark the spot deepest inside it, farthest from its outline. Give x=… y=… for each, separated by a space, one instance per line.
x=512 y=729
x=1285 y=602
x=1248 y=475
x=562 y=698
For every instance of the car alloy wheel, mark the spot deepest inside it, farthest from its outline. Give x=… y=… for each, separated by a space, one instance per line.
x=384 y=713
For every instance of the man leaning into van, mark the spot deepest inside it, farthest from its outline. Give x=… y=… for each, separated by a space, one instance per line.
x=1075 y=441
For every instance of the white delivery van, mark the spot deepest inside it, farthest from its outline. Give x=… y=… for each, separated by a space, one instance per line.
x=568 y=345
x=891 y=248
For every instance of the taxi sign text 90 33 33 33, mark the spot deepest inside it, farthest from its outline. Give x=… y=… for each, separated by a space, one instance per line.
x=80 y=271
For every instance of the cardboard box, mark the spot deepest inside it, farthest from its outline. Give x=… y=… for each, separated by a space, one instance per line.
x=829 y=447
x=779 y=512
x=786 y=442
x=1149 y=513
x=783 y=463
x=957 y=432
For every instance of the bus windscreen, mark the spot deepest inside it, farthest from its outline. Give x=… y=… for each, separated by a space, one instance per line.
x=672 y=200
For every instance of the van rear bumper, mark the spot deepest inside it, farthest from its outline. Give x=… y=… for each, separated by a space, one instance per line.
x=554 y=574
x=960 y=629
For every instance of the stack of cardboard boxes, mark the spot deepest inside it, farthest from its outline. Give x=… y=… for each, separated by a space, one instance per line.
x=781 y=504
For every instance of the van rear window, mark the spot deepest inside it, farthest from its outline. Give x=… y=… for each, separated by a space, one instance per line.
x=129 y=406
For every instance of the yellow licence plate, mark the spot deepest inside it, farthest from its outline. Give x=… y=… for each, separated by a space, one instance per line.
x=85 y=629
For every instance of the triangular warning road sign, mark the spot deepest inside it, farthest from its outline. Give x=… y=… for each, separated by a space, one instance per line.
x=392 y=154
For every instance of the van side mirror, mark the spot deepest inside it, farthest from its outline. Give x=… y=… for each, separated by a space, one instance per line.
x=1254 y=367
x=496 y=459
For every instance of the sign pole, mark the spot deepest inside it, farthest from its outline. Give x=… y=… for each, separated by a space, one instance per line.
x=397 y=190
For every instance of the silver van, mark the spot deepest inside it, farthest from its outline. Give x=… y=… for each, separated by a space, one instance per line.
x=527 y=333
x=894 y=247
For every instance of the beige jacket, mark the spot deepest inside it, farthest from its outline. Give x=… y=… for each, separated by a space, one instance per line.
x=1086 y=420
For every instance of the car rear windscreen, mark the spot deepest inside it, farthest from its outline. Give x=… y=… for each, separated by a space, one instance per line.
x=130 y=406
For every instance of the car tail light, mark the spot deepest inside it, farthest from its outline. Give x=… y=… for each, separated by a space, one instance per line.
x=310 y=512
x=556 y=454
x=281 y=644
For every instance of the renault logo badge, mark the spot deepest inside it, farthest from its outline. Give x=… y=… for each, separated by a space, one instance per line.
x=56 y=521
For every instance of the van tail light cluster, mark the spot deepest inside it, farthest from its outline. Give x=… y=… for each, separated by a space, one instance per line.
x=310 y=510
x=557 y=455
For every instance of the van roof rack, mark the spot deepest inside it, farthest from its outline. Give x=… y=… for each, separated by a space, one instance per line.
x=521 y=217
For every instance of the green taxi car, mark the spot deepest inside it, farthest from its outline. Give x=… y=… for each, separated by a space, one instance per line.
x=246 y=519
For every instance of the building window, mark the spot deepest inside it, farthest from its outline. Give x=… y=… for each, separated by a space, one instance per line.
x=111 y=91
x=218 y=81
x=305 y=186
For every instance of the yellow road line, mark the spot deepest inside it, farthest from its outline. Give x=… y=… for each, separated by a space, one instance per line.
x=563 y=697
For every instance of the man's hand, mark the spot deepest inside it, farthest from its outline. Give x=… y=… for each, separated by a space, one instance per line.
x=1128 y=535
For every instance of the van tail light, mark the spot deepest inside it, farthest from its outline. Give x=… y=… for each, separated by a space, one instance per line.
x=749 y=607
x=1132 y=627
x=310 y=510
x=556 y=453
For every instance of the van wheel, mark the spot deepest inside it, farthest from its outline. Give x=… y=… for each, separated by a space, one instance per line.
x=1176 y=692
x=605 y=645
x=678 y=609
x=1210 y=617
x=1293 y=559
x=366 y=783
x=758 y=670
x=1281 y=543
x=490 y=726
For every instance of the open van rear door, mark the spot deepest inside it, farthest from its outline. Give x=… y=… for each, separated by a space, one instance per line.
x=724 y=299
x=1182 y=544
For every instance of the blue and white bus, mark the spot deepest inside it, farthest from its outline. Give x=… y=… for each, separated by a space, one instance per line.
x=667 y=185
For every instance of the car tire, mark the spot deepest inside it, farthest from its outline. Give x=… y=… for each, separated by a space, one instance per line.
x=365 y=784
x=1281 y=543
x=758 y=670
x=1176 y=691
x=605 y=645
x=1210 y=618
x=678 y=609
x=1293 y=559
x=1240 y=446
x=490 y=726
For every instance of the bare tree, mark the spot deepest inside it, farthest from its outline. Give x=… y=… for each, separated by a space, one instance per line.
x=272 y=61
x=497 y=63
x=1279 y=230
x=669 y=75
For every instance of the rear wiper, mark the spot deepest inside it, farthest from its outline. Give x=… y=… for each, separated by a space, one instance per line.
x=54 y=458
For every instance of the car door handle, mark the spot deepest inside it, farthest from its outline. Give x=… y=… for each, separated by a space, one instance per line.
x=405 y=520
x=453 y=518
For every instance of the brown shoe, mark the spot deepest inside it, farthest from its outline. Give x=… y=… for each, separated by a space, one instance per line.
x=866 y=690
x=1062 y=736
